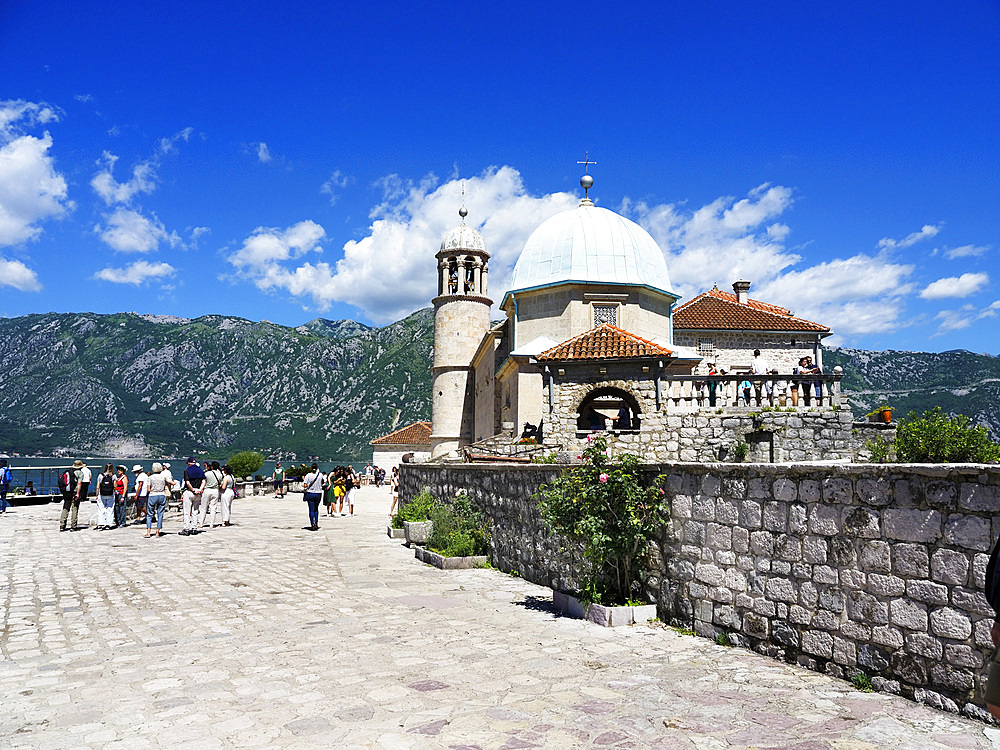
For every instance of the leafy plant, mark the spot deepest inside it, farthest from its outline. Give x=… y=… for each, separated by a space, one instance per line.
x=459 y=529
x=245 y=463
x=723 y=639
x=879 y=449
x=544 y=458
x=937 y=437
x=878 y=410
x=605 y=505
x=417 y=508
x=297 y=472
x=396 y=522
x=862 y=682
x=740 y=451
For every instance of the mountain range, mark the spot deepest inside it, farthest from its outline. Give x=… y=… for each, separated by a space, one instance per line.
x=146 y=385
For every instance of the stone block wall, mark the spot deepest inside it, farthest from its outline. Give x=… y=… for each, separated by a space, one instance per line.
x=877 y=568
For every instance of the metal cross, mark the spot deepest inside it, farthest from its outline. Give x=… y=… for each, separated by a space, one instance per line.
x=586 y=162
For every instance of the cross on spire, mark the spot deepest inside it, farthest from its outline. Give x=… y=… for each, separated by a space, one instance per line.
x=586 y=162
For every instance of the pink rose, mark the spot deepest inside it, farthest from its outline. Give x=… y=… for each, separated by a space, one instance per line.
x=590 y=437
x=603 y=478
x=579 y=458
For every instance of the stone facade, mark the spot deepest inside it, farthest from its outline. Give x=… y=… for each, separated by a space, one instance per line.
x=837 y=568
x=699 y=434
x=733 y=350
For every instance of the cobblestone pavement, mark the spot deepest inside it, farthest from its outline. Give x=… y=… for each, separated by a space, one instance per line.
x=265 y=634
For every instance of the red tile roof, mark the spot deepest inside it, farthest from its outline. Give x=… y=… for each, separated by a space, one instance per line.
x=604 y=342
x=418 y=433
x=719 y=310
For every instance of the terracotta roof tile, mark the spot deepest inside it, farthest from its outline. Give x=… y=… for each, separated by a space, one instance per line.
x=604 y=342
x=719 y=310
x=418 y=433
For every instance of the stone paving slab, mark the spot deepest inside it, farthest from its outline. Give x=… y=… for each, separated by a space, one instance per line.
x=265 y=634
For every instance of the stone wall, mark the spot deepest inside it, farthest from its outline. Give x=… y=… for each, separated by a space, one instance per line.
x=804 y=434
x=877 y=568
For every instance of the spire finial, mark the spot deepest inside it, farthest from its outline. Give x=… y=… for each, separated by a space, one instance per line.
x=463 y=211
x=586 y=182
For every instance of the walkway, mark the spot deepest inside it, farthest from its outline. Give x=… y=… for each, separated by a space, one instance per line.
x=267 y=635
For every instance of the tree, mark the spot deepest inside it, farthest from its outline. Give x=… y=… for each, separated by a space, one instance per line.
x=937 y=437
x=605 y=505
x=246 y=463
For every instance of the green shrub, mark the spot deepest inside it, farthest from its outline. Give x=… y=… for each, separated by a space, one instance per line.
x=862 y=682
x=740 y=451
x=417 y=509
x=297 y=472
x=244 y=464
x=459 y=529
x=606 y=506
x=879 y=449
x=937 y=437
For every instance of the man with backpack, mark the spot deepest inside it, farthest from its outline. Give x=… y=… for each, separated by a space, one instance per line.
x=68 y=485
x=5 y=479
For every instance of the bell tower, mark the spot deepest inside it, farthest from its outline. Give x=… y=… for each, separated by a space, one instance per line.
x=461 y=319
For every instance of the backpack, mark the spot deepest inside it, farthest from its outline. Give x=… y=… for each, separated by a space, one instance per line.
x=7 y=477
x=106 y=486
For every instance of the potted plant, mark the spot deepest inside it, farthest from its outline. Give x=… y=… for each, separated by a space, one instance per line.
x=881 y=413
x=417 y=525
x=605 y=505
x=460 y=537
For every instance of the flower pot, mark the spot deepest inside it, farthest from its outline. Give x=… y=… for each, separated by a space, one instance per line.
x=610 y=617
x=417 y=532
x=395 y=533
x=886 y=415
x=450 y=563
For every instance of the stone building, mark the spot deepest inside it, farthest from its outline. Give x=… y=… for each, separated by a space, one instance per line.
x=588 y=342
x=410 y=444
x=725 y=328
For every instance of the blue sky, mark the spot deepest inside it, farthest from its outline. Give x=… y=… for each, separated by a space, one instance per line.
x=303 y=160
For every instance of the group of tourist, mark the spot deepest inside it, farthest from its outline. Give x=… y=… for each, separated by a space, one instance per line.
x=204 y=491
x=772 y=391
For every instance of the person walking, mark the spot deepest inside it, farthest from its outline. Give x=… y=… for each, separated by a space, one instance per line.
x=278 y=479
x=121 y=496
x=141 y=492
x=156 y=501
x=5 y=479
x=227 y=493
x=313 y=483
x=210 y=497
x=394 y=489
x=67 y=482
x=194 y=486
x=330 y=496
x=351 y=481
x=106 y=498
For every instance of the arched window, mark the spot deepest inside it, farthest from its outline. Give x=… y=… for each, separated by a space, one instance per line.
x=604 y=407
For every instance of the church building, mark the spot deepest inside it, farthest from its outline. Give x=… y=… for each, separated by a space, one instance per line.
x=592 y=339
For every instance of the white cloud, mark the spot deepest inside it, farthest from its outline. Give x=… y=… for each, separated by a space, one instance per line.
x=31 y=190
x=169 y=143
x=391 y=271
x=111 y=191
x=136 y=273
x=965 y=316
x=128 y=231
x=16 y=115
x=337 y=182
x=263 y=153
x=955 y=286
x=926 y=232
x=722 y=241
x=966 y=251
x=15 y=274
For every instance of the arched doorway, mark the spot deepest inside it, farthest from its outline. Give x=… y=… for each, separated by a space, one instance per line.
x=608 y=407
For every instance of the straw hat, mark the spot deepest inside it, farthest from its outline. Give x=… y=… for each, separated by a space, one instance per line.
x=78 y=464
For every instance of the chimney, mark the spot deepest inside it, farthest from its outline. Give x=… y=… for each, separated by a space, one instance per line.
x=741 y=288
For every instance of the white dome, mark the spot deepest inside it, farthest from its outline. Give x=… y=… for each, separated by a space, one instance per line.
x=590 y=244
x=463 y=238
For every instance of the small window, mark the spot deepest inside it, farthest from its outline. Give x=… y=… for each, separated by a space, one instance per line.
x=705 y=347
x=605 y=314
